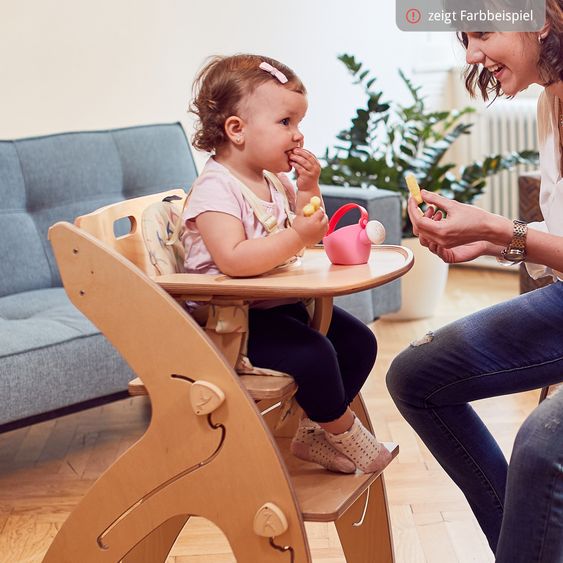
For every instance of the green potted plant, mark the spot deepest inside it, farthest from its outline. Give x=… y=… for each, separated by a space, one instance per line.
x=386 y=140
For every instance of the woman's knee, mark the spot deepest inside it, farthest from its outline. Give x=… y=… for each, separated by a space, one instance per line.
x=539 y=441
x=399 y=375
x=410 y=373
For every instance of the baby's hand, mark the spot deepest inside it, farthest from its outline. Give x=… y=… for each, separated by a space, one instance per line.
x=311 y=229
x=307 y=168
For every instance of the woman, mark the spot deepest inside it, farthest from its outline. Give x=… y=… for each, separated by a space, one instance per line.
x=512 y=347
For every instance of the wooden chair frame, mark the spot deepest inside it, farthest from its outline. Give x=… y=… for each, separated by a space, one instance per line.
x=226 y=465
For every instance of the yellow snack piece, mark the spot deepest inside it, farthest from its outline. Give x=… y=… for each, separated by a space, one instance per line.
x=414 y=188
x=308 y=210
x=315 y=202
x=312 y=206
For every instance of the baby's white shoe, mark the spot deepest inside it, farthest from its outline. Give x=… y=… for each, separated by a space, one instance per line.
x=362 y=447
x=310 y=444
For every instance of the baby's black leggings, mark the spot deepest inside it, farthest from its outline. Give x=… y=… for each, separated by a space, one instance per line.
x=329 y=370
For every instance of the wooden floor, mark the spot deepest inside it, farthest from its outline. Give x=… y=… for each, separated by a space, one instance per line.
x=46 y=468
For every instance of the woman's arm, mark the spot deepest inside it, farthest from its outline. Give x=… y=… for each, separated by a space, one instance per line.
x=544 y=248
x=468 y=232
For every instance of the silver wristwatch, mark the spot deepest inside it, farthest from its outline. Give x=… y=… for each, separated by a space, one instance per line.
x=515 y=252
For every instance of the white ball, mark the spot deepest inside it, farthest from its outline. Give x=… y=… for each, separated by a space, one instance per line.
x=375 y=232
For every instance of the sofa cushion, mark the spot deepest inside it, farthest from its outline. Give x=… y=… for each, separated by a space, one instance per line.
x=58 y=177
x=52 y=356
x=39 y=318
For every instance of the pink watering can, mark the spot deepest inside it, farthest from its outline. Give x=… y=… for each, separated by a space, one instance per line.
x=352 y=244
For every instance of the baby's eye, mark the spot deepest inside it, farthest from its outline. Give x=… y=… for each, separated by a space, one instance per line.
x=285 y=121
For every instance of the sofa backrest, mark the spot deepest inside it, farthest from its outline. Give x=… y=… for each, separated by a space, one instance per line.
x=58 y=177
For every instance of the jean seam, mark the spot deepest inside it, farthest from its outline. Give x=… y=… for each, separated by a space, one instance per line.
x=546 y=519
x=470 y=458
x=488 y=374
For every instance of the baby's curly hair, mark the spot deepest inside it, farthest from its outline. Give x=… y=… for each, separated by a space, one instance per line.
x=550 y=61
x=220 y=86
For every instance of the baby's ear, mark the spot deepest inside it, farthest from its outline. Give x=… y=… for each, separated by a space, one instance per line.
x=234 y=129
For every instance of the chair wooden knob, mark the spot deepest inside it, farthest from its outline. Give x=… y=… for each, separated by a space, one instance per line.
x=205 y=397
x=270 y=521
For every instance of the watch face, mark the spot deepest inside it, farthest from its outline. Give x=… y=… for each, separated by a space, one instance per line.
x=514 y=255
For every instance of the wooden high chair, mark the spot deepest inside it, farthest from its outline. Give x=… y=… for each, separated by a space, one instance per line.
x=208 y=450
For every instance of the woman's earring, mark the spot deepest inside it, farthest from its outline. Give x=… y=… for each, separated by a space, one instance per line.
x=540 y=39
x=238 y=140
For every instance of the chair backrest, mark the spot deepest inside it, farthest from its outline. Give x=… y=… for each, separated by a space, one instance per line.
x=147 y=220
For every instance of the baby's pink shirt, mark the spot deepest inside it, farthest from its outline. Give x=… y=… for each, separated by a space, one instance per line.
x=217 y=189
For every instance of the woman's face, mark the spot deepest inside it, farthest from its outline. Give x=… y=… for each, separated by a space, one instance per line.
x=512 y=57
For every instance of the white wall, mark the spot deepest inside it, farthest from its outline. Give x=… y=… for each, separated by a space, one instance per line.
x=92 y=64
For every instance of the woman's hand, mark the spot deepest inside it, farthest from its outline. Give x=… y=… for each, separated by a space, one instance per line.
x=460 y=236
x=463 y=253
x=463 y=223
x=307 y=168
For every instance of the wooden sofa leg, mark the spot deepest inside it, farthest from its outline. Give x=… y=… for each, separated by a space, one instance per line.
x=157 y=545
x=371 y=540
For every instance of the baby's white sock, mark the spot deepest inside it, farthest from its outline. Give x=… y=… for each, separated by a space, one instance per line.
x=310 y=444
x=362 y=447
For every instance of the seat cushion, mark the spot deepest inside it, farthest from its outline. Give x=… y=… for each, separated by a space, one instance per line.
x=52 y=356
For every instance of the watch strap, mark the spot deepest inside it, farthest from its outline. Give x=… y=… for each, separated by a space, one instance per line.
x=519 y=232
x=515 y=252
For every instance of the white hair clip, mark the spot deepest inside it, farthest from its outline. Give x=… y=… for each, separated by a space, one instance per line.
x=274 y=72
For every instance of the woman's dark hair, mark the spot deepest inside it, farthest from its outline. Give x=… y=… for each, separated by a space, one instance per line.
x=550 y=62
x=219 y=88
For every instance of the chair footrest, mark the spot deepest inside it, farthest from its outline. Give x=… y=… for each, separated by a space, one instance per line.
x=259 y=387
x=324 y=496
x=136 y=387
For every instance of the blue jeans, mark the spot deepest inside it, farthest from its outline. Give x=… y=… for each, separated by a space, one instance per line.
x=511 y=347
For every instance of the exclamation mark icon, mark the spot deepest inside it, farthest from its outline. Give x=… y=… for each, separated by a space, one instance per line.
x=413 y=15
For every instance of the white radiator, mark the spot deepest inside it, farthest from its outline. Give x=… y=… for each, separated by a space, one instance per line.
x=507 y=125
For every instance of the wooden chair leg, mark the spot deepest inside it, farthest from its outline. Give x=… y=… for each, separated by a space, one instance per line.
x=223 y=466
x=367 y=536
x=157 y=545
x=543 y=393
x=372 y=540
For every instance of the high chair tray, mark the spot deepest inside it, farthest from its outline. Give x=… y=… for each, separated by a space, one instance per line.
x=313 y=275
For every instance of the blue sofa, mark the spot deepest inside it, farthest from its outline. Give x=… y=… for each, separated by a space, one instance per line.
x=51 y=357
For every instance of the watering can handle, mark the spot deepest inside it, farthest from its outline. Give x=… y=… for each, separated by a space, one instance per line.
x=342 y=211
